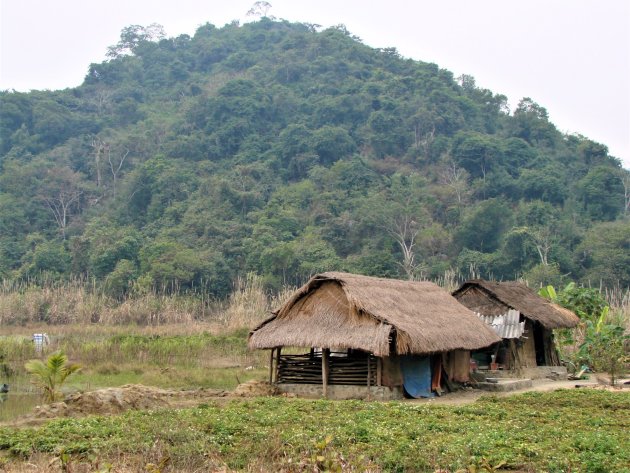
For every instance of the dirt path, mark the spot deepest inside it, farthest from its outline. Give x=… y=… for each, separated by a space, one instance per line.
x=468 y=396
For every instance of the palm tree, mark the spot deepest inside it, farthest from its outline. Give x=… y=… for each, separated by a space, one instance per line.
x=51 y=375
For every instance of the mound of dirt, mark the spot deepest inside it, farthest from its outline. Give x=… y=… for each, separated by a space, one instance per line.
x=117 y=400
x=254 y=388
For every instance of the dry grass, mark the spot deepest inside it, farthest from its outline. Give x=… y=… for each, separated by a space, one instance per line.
x=619 y=301
x=78 y=302
x=81 y=302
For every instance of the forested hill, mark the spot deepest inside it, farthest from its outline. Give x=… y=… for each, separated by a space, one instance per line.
x=276 y=148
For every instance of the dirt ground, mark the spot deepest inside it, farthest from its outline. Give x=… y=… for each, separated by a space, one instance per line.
x=467 y=396
x=134 y=396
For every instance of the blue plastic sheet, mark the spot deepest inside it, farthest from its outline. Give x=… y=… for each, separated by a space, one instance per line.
x=416 y=371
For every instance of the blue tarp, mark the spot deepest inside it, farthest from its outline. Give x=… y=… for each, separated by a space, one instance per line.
x=416 y=371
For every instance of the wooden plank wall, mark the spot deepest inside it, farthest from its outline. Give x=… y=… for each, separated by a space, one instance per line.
x=307 y=369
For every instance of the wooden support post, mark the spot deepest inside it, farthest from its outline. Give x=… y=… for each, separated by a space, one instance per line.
x=271 y=366
x=278 y=350
x=369 y=375
x=379 y=371
x=325 y=369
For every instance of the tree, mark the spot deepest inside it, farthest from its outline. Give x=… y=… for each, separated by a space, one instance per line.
x=260 y=9
x=61 y=191
x=118 y=282
x=544 y=239
x=52 y=374
x=531 y=123
x=544 y=183
x=116 y=164
x=134 y=35
x=601 y=192
x=477 y=153
x=605 y=253
x=99 y=148
x=604 y=346
x=47 y=257
x=456 y=179
x=332 y=143
x=625 y=181
x=399 y=211
x=483 y=228
x=404 y=229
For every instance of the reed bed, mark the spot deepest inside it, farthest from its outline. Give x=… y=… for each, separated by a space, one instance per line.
x=79 y=302
x=83 y=302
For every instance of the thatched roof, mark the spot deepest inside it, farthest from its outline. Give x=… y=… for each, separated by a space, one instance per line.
x=341 y=310
x=519 y=297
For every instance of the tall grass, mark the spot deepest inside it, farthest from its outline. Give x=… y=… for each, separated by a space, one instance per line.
x=79 y=302
x=250 y=304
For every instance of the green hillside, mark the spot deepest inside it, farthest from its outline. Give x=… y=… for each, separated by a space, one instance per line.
x=276 y=148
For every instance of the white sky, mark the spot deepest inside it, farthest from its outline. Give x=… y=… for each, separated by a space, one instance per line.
x=570 y=56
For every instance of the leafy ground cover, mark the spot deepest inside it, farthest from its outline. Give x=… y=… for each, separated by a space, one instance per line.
x=567 y=430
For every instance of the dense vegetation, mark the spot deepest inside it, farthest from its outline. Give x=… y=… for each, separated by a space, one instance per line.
x=282 y=150
x=578 y=430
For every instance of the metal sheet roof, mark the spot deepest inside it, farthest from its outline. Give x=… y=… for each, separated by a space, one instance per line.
x=505 y=325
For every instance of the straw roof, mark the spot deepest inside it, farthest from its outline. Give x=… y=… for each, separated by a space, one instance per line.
x=519 y=297
x=341 y=310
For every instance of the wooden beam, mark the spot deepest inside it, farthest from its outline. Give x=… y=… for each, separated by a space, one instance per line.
x=271 y=366
x=325 y=354
x=369 y=375
x=379 y=371
x=278 y=350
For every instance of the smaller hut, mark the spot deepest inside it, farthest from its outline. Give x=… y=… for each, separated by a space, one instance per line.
x=369 y=337
x=524 y=320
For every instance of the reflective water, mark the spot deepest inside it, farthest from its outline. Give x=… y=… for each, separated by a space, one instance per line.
x=14 y=404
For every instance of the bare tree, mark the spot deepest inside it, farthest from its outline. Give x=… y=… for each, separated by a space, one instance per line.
x=544 y=238
x=260 y=9
x=115 y=168
x=102 y=98
x=424 y=132
x=404 y=230
x=455 y=178
x=99 y=148
x=61 y=192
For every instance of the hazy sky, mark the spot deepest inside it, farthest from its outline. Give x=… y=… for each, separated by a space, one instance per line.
x=570 y=56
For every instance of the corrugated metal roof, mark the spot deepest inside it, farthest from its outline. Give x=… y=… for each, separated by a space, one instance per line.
x=505 y=325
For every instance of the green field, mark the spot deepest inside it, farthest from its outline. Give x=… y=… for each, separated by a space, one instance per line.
x=568 y=430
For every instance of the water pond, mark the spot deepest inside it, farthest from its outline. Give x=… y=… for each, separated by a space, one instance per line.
x=14 y=404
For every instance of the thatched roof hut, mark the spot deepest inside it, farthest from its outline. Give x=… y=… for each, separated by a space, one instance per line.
x=494 y=298
x=383 y=316
x=535 y=345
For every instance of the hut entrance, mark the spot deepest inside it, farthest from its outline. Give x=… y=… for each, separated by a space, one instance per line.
x=416 y=371
x=539 y=344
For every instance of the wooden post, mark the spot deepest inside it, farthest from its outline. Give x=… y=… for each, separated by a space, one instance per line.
x=368 y=377
x=379 y=371
x=325 y=354
x=278 y=350
x=271 y=366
